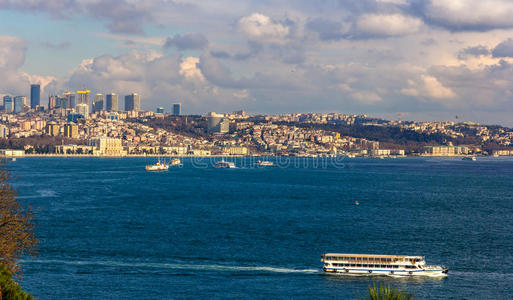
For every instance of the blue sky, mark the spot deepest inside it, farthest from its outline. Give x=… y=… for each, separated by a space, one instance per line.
x=408 y=59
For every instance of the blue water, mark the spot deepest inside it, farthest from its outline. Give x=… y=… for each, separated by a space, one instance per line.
x=108 y=229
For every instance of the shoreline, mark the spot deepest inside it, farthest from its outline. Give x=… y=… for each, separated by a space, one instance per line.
x=234 y=156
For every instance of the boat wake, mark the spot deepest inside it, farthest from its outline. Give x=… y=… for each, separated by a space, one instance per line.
x=177 y=266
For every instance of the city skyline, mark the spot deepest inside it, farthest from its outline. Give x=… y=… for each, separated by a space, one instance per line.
x=414 y=60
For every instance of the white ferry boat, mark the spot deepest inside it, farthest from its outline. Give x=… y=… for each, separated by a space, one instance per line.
x=157 y=167
x=369 y=264
x=176 y=162
x=265 y=163
x=472 y=158
x=222 y=164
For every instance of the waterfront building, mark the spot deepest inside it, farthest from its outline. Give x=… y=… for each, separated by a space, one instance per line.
x=236 y=151
x=11 y=153
x=177 y=109
x=107 y=146
x=133 y=102
x=52 y=129
x=83 y=109
x=98 y=103
x=71 y=130
x=19 y=103
x=446 y=150
x=83 y=97
x=160 y=110
x=8 y=104
x=112 y=102
x=35 y=95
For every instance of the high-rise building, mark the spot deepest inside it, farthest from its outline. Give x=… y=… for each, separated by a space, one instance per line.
x=8 y=104
x=160 y=110
x=82 y=109
x=61 y=102
x=133 y=102
x=112 y=102
x=83 y=97
x=71 y=130
x=177 y=109
x=4 y=131
x=217 y=123
x=19 y=102
x=71 y=99
x=52 y=102
x=98 y=103
x=35 y=95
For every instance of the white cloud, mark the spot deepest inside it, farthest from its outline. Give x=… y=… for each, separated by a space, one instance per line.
x=471 y=14
x=261 y=28
x=388 y=25
x=366 y=97
x=243 y=94
x=189 y=69
x=428 y=87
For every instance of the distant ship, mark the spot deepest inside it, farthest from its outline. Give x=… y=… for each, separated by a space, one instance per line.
x=176 y=162
x=157 y=167
x=265 y=163
x=472 y=158
x=222 y=164
x=369 y=264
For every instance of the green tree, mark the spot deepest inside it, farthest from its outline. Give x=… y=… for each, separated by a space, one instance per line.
x=382 y=292
x=10 y=289
x=17 y=236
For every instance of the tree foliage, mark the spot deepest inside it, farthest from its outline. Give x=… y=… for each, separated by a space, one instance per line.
x=10 y=289
x=382 y=292
x=17 y=236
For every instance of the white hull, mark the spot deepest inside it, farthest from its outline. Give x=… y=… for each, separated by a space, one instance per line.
x=393 y=273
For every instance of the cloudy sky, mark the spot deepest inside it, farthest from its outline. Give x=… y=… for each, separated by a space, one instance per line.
x=408 y=59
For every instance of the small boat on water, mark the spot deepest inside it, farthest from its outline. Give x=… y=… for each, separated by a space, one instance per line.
x=159 y=166
x=176 y=162
x=371 y=265
x=222 y=164
x=472 y=158
x=265 y=163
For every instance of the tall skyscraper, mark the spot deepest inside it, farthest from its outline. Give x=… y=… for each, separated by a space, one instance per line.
x=19 y=102
x=83 y=97
x=61 y=102
x=8 y=104
x=112 y=102
x=83 y=109
x=98 y=103
x=133 y=102
x=52 y=102
x=71 y=99
x=35 y=95
x=177 y=109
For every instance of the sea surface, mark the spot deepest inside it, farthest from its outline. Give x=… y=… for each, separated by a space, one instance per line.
x=110 y=230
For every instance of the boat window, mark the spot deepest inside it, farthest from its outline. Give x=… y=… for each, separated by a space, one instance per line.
x=396 y=267
x=359 y=265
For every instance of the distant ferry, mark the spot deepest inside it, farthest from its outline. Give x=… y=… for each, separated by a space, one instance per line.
x=472 y=158
x=157 y=167
x=265 y=163
x=368 y=264
x=176 y=162
x=222 y=164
